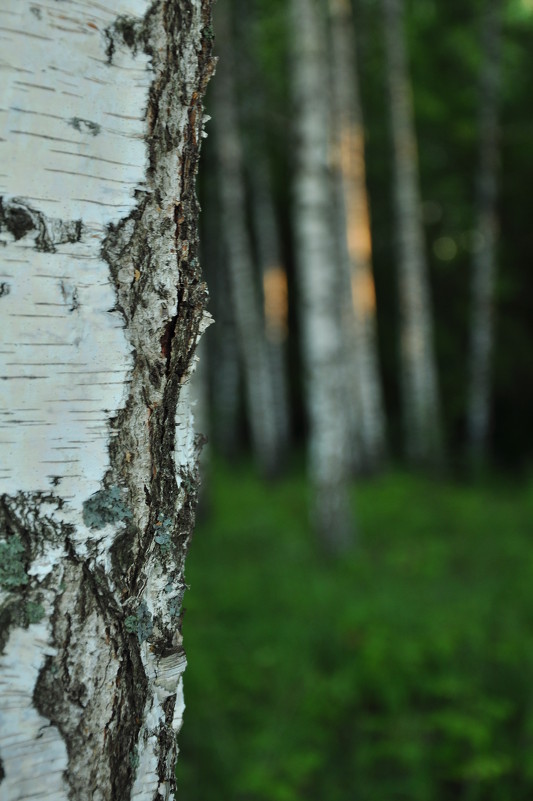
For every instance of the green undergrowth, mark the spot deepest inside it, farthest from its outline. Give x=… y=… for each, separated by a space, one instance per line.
x=404 y=671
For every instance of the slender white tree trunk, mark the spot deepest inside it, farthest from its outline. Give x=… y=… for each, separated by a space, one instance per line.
x=254 y=107
x=224 y=370
x=354 y=231
x=275 y=293
x=102 y=304
x=318 y=278
x=484 y=262
x=421 y=404
x=244 y=293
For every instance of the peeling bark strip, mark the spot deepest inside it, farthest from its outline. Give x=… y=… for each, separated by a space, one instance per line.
x=102 y=307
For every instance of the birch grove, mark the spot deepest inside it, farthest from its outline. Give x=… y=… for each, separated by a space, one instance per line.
x=103 y=305
x=244 y=295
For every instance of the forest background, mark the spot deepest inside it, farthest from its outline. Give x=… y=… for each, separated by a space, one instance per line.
x=392 y=662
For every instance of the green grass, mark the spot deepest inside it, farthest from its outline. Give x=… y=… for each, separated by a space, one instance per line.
x=402 y=672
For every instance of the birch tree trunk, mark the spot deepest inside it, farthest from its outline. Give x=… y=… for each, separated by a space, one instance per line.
x=318 y=279
x=484 y=262
x=224 y=369
x=102 y=305
x=257 y=134
x=244 y=294
x=275 y=294
x=354 y=232
x=421 y=405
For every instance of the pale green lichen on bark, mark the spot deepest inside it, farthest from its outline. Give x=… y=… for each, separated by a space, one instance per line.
x=140 y=623
x=163 y=536
x=105 y=506
x=12 y=572
x=34 y=613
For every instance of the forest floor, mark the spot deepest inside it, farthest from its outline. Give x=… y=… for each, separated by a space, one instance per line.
x=403 y=671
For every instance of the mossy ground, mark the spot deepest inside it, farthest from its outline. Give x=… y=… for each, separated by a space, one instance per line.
x=401 y=672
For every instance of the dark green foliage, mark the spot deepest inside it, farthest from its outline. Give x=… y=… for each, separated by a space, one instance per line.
x=400 y=673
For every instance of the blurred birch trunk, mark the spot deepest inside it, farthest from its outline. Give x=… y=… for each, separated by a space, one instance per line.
x=265 y=226
x=319 y=279
x=484 y=261
x=224 y=369
x=275 y=292
x=244 y=292
x=420 y=395
x=102 y=304
x=353 y=230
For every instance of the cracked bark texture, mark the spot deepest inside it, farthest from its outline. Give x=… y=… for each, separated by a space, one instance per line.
x=103 y=305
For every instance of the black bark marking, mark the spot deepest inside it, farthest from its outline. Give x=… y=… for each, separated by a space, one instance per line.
x=15 y=219
x=166 y=340
x=128 y=32
x=70 y=296
x=85 y=126
x=19 y=219
x=5 y=289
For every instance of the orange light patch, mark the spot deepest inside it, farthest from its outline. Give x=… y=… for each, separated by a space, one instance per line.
x=276 y=298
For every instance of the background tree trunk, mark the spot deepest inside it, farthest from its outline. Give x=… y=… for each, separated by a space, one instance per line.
x=102 y=308
x=244 y=292
x=275 y=294
x=484 y=262
x=224 y=369
x=421 y=405
x=319 y=279
x=354 y=233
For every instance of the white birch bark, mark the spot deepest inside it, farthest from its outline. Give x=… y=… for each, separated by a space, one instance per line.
x=244 y=294
x=354 y=234
x=421 y=404
x=318 y=279
x=484 y=261
x=102 y=302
